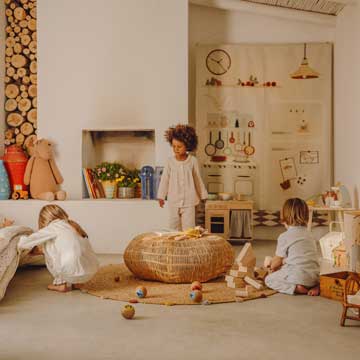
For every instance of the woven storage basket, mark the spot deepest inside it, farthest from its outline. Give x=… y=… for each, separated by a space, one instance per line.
x=151 y=256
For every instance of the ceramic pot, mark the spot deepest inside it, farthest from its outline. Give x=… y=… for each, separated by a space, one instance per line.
x=4 y=183
x=109 y=188
x=126 y=192
x=15 y=161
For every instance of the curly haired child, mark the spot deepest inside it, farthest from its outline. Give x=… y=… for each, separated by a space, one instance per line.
x=181 y=182
x=295 y=265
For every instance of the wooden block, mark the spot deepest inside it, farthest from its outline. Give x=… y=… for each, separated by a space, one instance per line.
x=257 y=285
x=246 y=256
x=238 y=274
x=267 y=261
x=235 y=286
x=242 y=292
x=261 y=273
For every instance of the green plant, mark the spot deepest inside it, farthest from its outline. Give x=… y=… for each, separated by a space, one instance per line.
x=109 y=171
x=130 y=178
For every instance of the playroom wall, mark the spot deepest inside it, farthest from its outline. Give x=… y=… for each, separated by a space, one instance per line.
x=347 y=96
x=216 y=26
x=110 y=65
x=2 y=74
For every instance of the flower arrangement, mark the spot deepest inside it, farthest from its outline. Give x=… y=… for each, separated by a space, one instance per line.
x=129 y=179
x=107 y=171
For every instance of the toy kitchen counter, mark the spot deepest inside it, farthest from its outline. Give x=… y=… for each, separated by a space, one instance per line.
x=232 y=219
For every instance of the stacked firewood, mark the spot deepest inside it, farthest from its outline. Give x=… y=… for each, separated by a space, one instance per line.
x=21 y=72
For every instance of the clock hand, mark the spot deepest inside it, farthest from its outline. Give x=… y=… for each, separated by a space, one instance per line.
x=214 y=60
x=222 y=66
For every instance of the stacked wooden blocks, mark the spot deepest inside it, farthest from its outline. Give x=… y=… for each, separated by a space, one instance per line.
x=245 y=277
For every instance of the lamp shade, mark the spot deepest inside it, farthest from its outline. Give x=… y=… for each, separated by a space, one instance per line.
x=305 y=71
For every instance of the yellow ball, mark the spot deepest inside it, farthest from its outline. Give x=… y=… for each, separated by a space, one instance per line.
x=141 y=291
x=128 y=312
x=196 y=296
x=196 y=285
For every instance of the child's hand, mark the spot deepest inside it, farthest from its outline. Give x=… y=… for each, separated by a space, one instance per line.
x=276 y=263
x=161 y=203
x=36 y=251
x=7 y=222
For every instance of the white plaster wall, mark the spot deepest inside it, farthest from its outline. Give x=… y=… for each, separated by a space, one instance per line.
x=2 y=74
x=110 y=64
x=347 y=99
x=214 y=26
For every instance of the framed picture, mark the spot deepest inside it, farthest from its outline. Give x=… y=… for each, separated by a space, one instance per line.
x=288 y=168
x=309 y=157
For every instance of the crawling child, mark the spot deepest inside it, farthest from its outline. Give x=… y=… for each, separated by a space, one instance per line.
x=295 y=268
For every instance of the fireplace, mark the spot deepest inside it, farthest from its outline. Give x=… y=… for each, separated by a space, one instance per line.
x=133 y=148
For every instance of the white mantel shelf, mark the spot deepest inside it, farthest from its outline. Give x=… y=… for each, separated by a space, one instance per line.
x=110 y=223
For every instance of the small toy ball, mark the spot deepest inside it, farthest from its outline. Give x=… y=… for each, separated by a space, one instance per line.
x=196 y=296
x=141 y=291
x=128 y=311
x=196 y=285
x=133 y=301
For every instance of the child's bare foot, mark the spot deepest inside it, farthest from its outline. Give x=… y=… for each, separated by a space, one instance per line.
x=314 y=291
x=59 y=288
x=301 y=290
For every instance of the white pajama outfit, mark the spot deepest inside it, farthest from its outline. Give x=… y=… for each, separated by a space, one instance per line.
x=181 y=183
x=68 y=256
x=301 y=265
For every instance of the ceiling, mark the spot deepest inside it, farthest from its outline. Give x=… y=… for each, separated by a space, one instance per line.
x=327 y=7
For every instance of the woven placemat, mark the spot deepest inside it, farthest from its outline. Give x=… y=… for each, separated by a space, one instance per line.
x=116 y=282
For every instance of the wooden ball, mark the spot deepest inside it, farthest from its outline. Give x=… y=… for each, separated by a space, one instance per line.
x=128 y=311
x=141 y=291
x=196 y=296
x=196 y=285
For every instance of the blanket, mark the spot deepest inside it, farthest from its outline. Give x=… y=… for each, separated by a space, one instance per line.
x=10 y=257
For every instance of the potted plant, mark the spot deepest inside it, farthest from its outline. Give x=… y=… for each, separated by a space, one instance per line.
x=127 y=183
x=108 y=174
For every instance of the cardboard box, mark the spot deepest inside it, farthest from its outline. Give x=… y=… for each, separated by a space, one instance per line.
x=332 y=286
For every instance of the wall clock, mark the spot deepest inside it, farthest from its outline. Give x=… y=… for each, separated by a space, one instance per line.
x=218 y=62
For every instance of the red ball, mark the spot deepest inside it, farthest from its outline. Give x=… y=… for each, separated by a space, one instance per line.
x=196 y=296
x=196 y=285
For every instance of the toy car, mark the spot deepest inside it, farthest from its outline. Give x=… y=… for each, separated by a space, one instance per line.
x=19 y=193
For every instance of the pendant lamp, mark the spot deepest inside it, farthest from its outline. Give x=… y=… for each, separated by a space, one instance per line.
x=305 y=71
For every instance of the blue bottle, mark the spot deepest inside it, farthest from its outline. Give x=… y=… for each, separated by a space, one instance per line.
x=4 y=182
x=147 y=183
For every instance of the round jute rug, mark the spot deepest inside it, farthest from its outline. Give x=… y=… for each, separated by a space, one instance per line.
x=116 y=282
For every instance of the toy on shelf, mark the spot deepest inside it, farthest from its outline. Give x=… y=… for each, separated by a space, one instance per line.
x=42 y=174
x=19 y=193
x=147 y=183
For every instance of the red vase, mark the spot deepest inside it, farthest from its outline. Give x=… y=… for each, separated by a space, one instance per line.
x=15 y=161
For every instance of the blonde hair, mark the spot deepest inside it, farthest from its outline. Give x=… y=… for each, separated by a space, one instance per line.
x=50 y=213
x=295 y=212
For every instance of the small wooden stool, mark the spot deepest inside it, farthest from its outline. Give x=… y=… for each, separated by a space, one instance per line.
x=352 y=285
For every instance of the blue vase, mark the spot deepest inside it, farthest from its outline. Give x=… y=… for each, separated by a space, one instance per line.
x=4 y=182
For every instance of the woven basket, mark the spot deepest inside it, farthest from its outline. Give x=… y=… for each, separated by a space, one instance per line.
x=151 y=256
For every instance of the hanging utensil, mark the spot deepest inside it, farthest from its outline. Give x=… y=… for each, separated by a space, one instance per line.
x=249 y=149
x=210 y=148
x=227 y=150
x=232 y=139
x=238 y=146
x=219 y=143
x=237 y=123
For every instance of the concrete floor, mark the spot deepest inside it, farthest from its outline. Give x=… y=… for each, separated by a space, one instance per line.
x=39 y=324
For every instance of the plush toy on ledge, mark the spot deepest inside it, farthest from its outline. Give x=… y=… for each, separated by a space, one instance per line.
x=42 y=174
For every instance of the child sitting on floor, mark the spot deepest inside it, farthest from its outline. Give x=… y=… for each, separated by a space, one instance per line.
x=295 y=266
x=68 y=253
x=181 y=181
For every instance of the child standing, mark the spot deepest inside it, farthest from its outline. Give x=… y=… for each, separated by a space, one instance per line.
x=181 y=181
x=68 y=253
x=295 y=266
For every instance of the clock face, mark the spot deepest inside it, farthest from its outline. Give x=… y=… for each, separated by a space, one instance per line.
x=218 y=62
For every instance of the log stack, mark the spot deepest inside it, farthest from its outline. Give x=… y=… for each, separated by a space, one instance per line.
x=21 y=72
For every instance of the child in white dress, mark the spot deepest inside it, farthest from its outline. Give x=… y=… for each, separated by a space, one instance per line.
x=68 y=253
x=295 y=267
x=181 y=182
